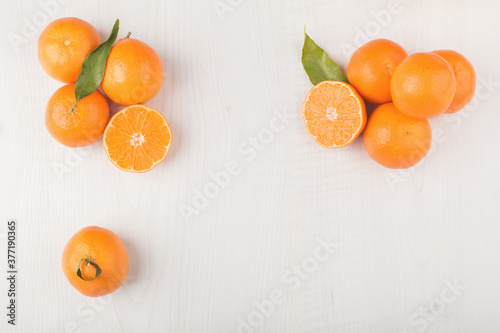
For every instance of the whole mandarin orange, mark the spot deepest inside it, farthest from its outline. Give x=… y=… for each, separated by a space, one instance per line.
x=134 y=73
x=63 y=46
x=465 y=76
x=423 y=85
x=395 y=140
x=76 y=126
x=370 y=69
x=95 y=261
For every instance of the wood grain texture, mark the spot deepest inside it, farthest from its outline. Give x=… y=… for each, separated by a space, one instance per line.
x=401 y=237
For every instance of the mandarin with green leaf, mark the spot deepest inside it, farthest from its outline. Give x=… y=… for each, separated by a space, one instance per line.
x=95 y=261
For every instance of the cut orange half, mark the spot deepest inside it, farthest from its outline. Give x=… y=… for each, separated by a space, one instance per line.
x=137 y=138
x=334 y=114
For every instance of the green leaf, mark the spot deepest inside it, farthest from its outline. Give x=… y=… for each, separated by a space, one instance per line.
x=94 y=65
x=318 y=65
x=98 y=270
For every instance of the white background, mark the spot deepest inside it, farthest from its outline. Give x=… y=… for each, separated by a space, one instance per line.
x=401 y=237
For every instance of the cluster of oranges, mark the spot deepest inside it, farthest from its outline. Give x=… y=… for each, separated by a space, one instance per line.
x=408 y=89
x=135 y=139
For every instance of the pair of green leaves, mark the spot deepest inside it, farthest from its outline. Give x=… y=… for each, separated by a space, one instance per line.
x=93 y=67
x=89 y=261
x=318 y=65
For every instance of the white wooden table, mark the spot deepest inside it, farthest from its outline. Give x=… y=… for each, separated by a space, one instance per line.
x=293 y=237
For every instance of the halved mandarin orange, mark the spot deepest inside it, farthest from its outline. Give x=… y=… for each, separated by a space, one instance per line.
x=334 y=114
x=137 y=138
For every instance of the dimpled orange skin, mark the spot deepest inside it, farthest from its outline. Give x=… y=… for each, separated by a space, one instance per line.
x=465 y=76
x=63 y=46
x=134 y=73
x=106 y=250
x=82 y=127
x=370 y=69
x=395 y=140
x=423 y=86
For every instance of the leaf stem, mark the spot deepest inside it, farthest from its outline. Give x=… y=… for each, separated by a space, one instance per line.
x=72 y=109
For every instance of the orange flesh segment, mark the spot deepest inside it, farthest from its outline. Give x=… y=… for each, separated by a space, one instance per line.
x=137 y=138
x=334 y=114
